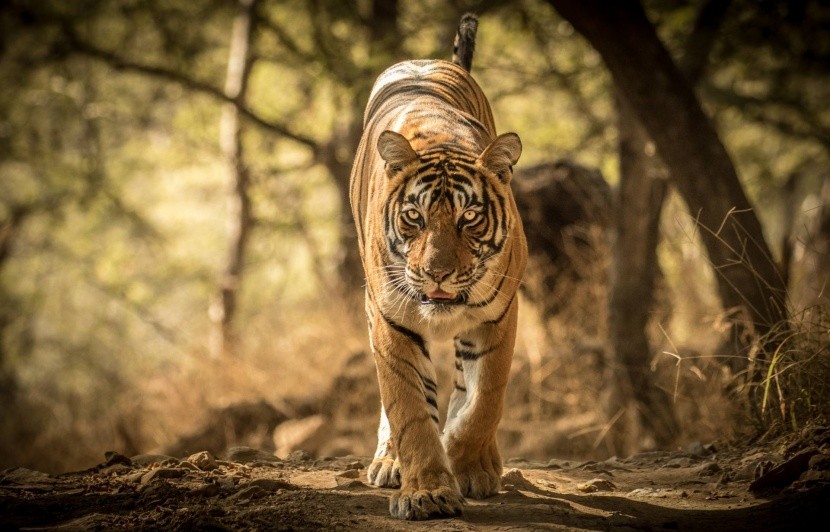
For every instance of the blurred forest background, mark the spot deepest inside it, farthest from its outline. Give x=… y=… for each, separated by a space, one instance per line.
x=177 y=261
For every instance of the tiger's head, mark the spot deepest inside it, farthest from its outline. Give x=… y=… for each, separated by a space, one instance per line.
x=446 y=221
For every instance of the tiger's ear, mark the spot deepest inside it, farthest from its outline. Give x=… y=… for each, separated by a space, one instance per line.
x=501 y=155
x=395 y=150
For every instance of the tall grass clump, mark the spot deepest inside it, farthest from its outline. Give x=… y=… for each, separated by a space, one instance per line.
x=795 y=388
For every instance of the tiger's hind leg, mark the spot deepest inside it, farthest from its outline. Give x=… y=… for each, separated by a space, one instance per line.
x=385 y=470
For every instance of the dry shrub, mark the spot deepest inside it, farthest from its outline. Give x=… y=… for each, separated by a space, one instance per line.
x=795 y=388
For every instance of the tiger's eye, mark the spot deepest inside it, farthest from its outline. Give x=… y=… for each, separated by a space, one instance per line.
x=469 y=216
x=412 y=215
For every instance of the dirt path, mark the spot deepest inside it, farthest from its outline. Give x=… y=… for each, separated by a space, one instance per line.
x=699 y=489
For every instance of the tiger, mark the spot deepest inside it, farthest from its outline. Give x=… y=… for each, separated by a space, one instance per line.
x=443 y=252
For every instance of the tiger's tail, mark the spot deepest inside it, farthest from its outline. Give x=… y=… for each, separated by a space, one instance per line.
x=465 y=41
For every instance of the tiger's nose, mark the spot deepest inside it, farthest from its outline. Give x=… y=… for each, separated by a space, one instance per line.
x=438 y=274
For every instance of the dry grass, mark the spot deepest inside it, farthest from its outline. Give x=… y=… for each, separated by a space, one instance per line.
x=554 y=400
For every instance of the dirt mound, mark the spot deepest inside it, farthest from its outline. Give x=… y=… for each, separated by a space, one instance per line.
x=762 y=487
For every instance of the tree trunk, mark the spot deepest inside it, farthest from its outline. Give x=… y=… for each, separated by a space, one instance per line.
x=635 y=269
x=338 y=154
x=240 y=219
x=749 y=283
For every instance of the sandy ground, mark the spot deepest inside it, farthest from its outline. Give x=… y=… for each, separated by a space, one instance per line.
x=780 y=485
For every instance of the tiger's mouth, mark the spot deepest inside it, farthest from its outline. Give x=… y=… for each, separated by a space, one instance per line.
x=439 y=297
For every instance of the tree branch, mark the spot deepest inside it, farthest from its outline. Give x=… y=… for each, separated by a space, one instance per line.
x=117 y=62
x=758 y=109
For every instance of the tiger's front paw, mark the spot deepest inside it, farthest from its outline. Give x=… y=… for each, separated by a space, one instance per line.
x=417 y=505
x=478 y=474
x=385 y=472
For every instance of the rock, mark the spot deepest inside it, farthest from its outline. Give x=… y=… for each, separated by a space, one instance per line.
x=203 y=460
x=679 y=461
x=752 y=465
x=596 y=484
x=820 y=462
x=245 y=455
x=249 y=493
x=815 y=435
x=355 y=465
x=190 y=467
x=298 y=456
x=135 y=477
x=653 y=493
x=513 y=479
x=785 y=473
x=146 y=460
x=207 y=490
x=697 y=449
x=22 y=476
x=815 y=476
x=349 y=473
x=226 y=483
x=708 y=469
x=553 y=463
x=614 y=463
x=272 y=484
x=161 y=472
x=598 y=467
x=112 y=458
x=116 y=469
x=648 y=457
x=348 y=483
x=306 y=433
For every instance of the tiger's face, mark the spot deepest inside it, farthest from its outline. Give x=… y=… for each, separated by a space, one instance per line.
x=446 y=222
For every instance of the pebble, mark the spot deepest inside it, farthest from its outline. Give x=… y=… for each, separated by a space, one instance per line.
x=112 y=458
x=248 y=494
x=203 y=460
x=348 y=483
x=146 y=460
x=21 y=475
x=208 y=490
x=515 y=480
x=272 y=484
x=349 y=473
x=247 y=454
x=697 y=449
x=708 y=469
x=596 y=484
x=116 y=469
x=161 y=472
x=298 y=456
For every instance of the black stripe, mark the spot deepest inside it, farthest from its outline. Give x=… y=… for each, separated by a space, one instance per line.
x=467 y=354
x=404 y=378
x=429 y=384
x=503 y=314
x=432 y=402
x=460 y=388
x=497 y=291
x=412 y=335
